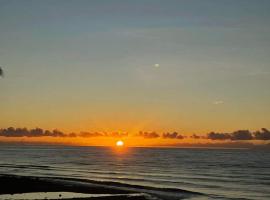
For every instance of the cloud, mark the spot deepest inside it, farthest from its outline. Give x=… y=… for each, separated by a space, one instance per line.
x=236 y=135
x=241 y=135
x=218 y=136
x=38 y=132
x=258 y=72
x=218 y=102
x=173 y=135
x=194 y=136
x=148 y=135
x=72 y=135
x=89 y=134
x=264 y=134
x=24 y=132
x=102 y=134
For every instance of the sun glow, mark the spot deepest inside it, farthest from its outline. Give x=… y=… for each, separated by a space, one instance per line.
x=119 y=143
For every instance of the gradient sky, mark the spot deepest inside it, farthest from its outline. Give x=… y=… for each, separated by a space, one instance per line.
x=90 y=65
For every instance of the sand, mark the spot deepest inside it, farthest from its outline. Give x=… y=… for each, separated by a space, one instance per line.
x=69 y=188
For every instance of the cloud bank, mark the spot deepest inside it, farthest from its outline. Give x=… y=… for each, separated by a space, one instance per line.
x=239 y=135
x=24 y=132
x=264 y=134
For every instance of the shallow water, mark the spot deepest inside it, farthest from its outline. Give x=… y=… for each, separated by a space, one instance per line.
x=219 y=174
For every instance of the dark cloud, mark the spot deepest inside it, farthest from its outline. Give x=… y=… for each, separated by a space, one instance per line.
x=148 y=135
x=218 y=136
x=173 y=135
x=241 y=135
x=101 y=134
x=38 y=132
x=236 y=135
x=24 y=132
x=12 y=132
x=264 y=134
x=88 y=134
x=194 y=136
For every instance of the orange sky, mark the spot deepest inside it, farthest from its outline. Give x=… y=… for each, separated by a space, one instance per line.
x=133 y=141
x=133 y=67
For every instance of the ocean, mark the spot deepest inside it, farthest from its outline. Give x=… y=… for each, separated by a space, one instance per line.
x=216 y=173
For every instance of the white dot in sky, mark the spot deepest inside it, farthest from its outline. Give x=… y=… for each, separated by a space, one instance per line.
x=156 y=65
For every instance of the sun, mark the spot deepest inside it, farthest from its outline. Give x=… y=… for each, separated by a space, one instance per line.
x=119 y=143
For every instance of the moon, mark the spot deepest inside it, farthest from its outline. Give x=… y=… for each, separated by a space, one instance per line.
x=156 y=65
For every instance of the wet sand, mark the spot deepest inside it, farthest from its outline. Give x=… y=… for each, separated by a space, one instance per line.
x=13 y=184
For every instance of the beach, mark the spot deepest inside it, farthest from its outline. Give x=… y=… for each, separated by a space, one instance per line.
x=69 y=188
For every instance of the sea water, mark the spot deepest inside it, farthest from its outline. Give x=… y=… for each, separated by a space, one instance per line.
x=216 y=173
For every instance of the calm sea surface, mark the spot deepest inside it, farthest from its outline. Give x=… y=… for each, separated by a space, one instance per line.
x=219 y=174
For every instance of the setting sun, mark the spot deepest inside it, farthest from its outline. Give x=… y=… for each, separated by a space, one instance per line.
x=119 y=143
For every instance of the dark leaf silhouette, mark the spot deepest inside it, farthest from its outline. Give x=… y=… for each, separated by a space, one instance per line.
x=1 y=72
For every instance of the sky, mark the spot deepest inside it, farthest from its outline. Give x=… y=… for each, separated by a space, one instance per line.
x=189 y=66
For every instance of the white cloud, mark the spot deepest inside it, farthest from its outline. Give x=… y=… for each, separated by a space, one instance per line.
x=218 y=102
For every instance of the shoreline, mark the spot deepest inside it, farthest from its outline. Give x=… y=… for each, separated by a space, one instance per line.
x=15 y=184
